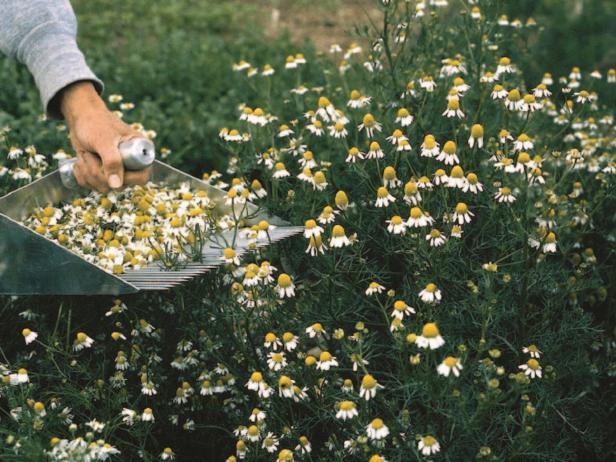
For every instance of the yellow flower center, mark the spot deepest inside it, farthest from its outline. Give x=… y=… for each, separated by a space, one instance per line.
x=461 y=208
x=477 y=131
x=284 y=280
x=429 y=142
x=430 y=330
x=533 y=364
x=450 y=147
x=457 y=172
x=347 y=405
x=514 y=95
x=399 y=305
x=325 y=356
x=369 y=120
x=416 y=212
x=429 y=440
x=377 y=424
x=256 y=377
x=389 y=173
x=374 y=146
x=450 y=361
x=355 y=95
x=310 y=224
x=403 y=112
x=431 y=288
x=410 y=188
x=453 y=104
x=368 y=381
x=324 y=102
x=270 y=336
x=341 y=199
x=338 y=231
x=396 y=220
x=504 y=61
x=81 y=337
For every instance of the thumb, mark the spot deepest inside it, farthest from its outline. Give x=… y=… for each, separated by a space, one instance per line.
x=113 y=167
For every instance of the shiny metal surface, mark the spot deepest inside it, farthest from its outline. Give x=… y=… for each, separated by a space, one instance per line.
x=137 y=154
x=33 y=264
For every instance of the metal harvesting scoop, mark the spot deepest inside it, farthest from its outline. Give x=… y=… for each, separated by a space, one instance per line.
x=34 y=264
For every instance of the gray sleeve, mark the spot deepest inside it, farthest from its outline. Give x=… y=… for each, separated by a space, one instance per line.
x=42 y=35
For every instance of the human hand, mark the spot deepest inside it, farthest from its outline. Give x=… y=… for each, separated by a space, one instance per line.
x=95 y=134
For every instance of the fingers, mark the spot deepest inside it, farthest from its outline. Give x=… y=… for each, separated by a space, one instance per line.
x=89 y=172
x=139 y=177
x=113 y=168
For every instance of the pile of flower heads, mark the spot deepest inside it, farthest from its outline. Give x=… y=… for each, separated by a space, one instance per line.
x=131 y=228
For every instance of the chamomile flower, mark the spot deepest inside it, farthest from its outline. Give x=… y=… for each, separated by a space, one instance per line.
x=320 y=181
x=530 y=104
x=374 y=288
x=418 y=218
x=430 y=337
x=453 y=109
x=290 y=341
x=29 y=335
x=431 y=294
x=338 y=238
x=307 y=160
x=397 y=137
x=276 y=360
x=532 y=350
x=328 y=215
x=531 y=368
x=549 y=245
x=430 y=147
x=316 y=128
x=499 y=92
x=401 y=309
x=377 y=430
x=338 y=130
x=375 y=151
x=504 y=66
x=230 y=257
x=147 y=415
x=428 y=445
x=412 y=195
x=272 y=341
x=476 y=136
x=369 y=125
x=472 y=184
x=285 y=286
x=326 y=361
x=541 y=91
x=315 y=330
x=456 y=178
x=354 y=154
x=427 y=83
x=396 y=225
x=404 y=117
x=505 y=194
x=316 y=246
x=82 y=341
x=462 y=214
x=346 y=410
x=280 y=171
x=448 y=155
x=435 y=238
x=450 y=365
x=326 y=110
x=369 y=387
x=514 y=101
x=357 y=100
x=311 y=228
x=383 y=197
x=284 y=131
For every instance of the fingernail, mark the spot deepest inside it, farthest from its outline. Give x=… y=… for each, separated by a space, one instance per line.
x=114 y=181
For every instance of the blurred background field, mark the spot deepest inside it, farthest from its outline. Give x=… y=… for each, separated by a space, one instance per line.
x=173 y=59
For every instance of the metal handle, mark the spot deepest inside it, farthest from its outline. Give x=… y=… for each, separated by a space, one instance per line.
x=137 y=154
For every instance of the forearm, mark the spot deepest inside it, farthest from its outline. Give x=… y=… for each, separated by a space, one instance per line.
x=42 y=35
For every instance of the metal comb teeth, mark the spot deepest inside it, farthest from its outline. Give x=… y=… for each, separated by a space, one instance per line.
x=156 y=278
